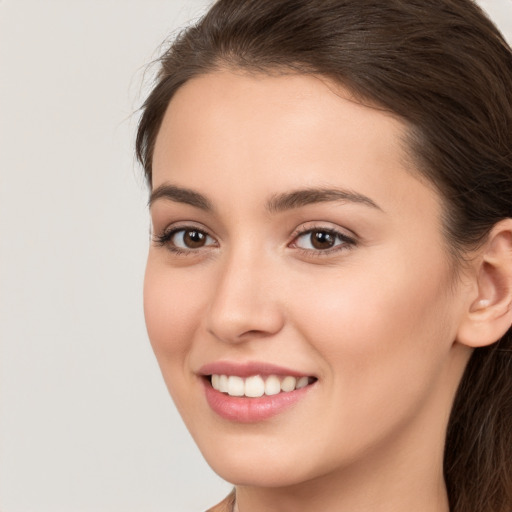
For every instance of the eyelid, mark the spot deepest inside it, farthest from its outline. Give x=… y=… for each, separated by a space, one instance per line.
x=164 y=238
x=348 y=241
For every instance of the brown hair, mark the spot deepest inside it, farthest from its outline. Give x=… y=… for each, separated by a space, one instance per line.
x=444 y=68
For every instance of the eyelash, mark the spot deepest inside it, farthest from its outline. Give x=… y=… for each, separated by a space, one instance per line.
x=346 y=242
x=164 y=239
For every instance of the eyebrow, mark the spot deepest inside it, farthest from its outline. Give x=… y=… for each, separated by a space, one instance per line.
x=277 y=203
x=299 y=198
x=180 y=195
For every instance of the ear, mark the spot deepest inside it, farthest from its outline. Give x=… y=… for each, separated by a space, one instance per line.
x=489 y=315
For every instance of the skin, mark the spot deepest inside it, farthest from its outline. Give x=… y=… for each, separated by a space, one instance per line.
x=376 y=320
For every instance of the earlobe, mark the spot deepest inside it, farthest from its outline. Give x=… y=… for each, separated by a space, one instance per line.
x=489 y=316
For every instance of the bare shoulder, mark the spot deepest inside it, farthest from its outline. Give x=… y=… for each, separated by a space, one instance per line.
x=226 y=505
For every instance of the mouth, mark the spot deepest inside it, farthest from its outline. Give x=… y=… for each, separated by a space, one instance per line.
x=253 y=392
x=256 y=386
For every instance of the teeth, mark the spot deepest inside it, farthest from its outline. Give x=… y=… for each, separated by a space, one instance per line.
x=236 y=386
x=272 y=386
x=223 y=383
x=288 y=384
x=302 y=383
x=256 y=385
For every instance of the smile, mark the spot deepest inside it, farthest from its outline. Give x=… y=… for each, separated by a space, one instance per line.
x=251 y=398
x=256 y=386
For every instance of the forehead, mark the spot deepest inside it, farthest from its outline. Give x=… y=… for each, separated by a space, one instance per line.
x=272 y=110
x=267 y=134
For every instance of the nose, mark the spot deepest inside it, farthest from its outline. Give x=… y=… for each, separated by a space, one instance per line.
x=245 y=303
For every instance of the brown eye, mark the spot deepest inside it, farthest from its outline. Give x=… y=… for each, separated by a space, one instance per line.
x=194 y=239
x=190 y=239
x=318 y=240
x=322 y=239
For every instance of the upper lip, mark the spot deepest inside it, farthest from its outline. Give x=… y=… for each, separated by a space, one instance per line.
x=247 y=369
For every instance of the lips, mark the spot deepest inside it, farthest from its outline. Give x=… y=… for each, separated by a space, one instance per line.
x=253 y=392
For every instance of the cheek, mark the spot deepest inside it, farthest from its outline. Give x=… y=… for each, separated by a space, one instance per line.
x=173 y=310
x=172 y=313
x=385 y=333
x=368 y=310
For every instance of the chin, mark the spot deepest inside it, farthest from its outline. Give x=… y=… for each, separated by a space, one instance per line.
x=251 y=474
x=263 y=464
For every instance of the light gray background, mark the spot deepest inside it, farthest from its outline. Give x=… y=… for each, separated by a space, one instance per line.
x=85 y=420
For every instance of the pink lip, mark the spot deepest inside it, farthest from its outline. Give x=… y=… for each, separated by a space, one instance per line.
x=244 y=409
x=247 y=369
x=251 y=410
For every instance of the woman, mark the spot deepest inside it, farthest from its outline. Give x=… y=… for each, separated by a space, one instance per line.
x=329 y=286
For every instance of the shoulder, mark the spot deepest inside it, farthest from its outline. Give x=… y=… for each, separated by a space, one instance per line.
x=226 y=505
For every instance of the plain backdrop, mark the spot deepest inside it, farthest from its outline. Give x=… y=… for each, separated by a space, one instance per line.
x=85 y=420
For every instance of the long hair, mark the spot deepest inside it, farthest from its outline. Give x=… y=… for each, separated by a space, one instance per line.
x=444 y=68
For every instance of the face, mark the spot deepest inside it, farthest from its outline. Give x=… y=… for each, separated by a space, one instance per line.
x=298 y=260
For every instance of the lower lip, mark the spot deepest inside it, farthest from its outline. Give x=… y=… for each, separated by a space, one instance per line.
x=251 y=410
